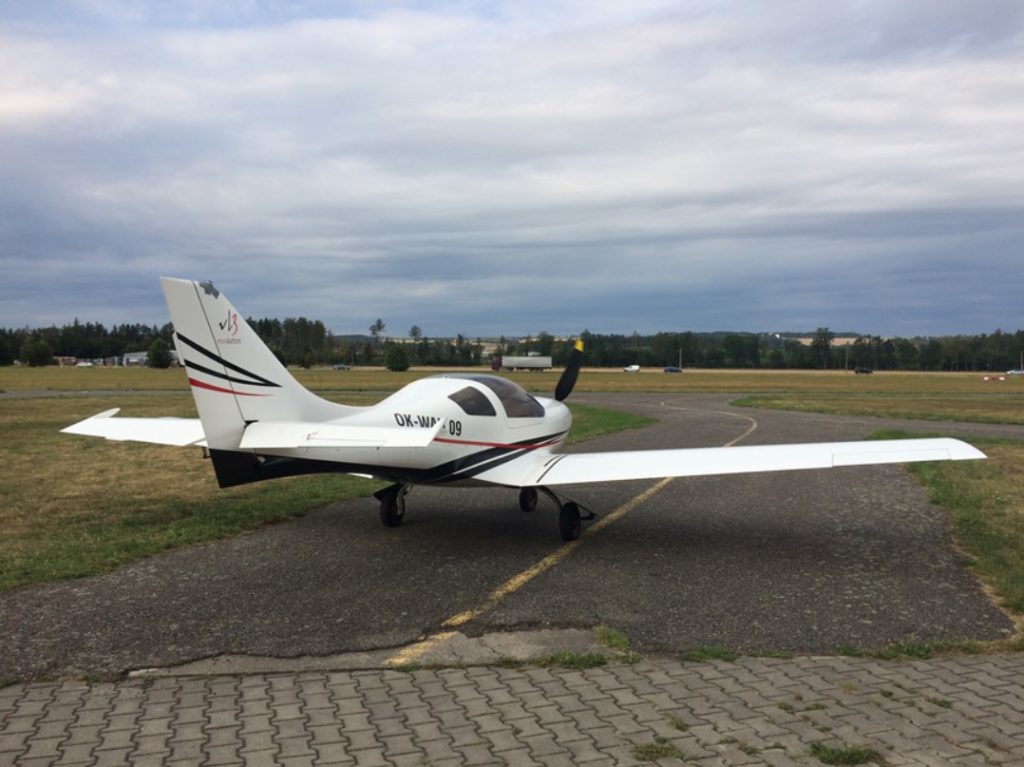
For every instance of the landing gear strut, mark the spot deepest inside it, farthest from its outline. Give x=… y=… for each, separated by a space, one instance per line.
x=570 y=521
x=392 y=504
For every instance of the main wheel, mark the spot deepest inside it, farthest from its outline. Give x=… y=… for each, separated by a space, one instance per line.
x=569 y=524
x=528 y=498
x=392 y=506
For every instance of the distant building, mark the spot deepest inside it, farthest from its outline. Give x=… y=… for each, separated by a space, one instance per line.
x=141 y=359
x=837 y=341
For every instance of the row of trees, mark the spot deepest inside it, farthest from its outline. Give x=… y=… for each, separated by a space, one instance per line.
x=91 y=340
x=295 y=341
x=301 y=341
x=995 y=351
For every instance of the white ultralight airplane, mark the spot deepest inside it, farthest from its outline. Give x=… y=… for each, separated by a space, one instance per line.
x=257 y=422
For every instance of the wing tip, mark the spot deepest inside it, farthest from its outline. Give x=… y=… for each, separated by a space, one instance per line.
x=74 y=428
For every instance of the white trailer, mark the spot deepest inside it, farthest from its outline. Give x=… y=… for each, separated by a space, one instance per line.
x=531 y=362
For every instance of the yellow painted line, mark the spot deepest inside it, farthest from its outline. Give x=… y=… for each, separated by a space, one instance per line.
x=516 y=582
x=413 y=652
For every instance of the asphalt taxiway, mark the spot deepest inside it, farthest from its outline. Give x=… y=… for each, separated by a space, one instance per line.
x=803 y=562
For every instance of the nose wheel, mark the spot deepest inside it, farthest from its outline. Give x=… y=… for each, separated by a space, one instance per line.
x=392 y=504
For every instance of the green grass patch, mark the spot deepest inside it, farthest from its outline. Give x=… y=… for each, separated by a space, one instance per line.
x=986 y=502
x=977 y=407
x=612 y=639
x=845 y=754
x=660 y=748
x=618 y=643
x=678 y=723
x=589 y=421
x=574 y=660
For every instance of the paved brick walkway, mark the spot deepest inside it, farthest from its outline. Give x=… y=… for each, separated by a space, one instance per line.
x=952 y=711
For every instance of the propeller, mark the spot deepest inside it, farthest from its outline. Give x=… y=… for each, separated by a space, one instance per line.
x=572 y=371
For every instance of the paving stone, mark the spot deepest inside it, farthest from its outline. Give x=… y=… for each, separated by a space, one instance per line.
x=957 y=711
x=112 y=758
x=79 y=753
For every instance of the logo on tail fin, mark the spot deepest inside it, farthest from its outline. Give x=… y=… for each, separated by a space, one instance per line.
x=230 y=323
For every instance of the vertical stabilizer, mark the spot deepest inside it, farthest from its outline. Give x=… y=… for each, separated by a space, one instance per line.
x=235 y=379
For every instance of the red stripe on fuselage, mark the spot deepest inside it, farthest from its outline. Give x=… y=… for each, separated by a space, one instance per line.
x=221 y=390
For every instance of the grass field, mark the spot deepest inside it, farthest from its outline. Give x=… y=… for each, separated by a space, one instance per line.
x=591 y=379
x=75 y=506
x=986 y=503
x=929 y=396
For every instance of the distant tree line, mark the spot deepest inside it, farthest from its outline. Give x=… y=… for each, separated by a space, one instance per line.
x=305 y=342
x=90 y=341
x=995 y=351
x=295 y=341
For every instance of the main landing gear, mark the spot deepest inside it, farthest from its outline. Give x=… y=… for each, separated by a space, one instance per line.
x=570 y=520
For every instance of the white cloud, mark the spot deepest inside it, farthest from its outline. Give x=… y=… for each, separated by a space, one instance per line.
x=725 y=150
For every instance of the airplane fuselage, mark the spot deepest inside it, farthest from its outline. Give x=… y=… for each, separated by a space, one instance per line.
x=466 y=424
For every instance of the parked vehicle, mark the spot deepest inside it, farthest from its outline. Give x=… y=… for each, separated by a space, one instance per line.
x=529 y=362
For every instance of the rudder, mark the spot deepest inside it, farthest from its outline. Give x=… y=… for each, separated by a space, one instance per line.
x=235 y=379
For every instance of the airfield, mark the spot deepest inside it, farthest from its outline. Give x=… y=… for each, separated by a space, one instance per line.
x=737 y=605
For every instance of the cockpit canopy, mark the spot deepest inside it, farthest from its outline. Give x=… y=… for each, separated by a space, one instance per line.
x=516 y=401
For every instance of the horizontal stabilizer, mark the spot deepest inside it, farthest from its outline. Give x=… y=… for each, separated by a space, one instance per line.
x=178 y=432
x=574 y=468
x=289 y=435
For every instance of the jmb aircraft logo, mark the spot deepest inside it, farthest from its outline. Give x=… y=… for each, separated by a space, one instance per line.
x=229 y=325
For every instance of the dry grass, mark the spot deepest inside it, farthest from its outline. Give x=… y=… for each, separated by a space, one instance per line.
x=1002 y=406
x=73 y=506
x=986 y=500
x=591 y=380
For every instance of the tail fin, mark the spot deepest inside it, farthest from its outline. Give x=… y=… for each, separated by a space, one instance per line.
x=235 y=379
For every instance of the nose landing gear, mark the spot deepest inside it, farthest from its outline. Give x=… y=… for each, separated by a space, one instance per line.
x=528 y=498
x=392 y=504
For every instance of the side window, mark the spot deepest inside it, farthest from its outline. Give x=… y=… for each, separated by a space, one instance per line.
x=472 y=401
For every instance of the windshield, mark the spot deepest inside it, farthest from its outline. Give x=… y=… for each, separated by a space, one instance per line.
x=514 y=398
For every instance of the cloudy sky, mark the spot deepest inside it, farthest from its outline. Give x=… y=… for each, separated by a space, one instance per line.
x=492 y=167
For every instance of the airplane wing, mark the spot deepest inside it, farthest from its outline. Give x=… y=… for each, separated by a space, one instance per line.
x=277 y=435
x=577 y=468
x=178 y=432
x=261 y=435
